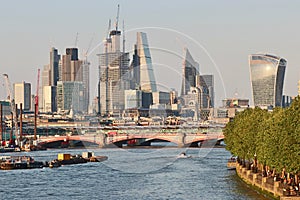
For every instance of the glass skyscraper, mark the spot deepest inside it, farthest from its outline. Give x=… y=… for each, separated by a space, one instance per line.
x=267 y=77
x=146 y=74
x=190 y=71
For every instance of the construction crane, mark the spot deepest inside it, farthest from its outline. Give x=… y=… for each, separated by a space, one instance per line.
x=108 y=30
x=123 y=37
x=85 y=55
x=12 y=104
x=76 y=40
x=36 y=108
x=37 y=91
x=117 y=18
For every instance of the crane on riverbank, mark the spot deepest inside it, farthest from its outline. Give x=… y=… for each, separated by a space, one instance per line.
x=36 y=108
x=12 y=105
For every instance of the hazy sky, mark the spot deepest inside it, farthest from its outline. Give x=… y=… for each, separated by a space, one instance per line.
x=219 y=34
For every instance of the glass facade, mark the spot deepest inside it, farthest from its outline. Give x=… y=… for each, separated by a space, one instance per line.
x=147 y=78
x=70 y=96
x=190 y=71
x=267 y=76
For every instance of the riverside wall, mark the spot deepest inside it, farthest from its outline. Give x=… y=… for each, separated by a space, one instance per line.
x=264 y=183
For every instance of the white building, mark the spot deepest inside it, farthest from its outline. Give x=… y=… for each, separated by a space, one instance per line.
x=49 y=100
x=22 y=94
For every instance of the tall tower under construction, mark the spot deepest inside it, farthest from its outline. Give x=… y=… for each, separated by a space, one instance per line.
x=113 y=74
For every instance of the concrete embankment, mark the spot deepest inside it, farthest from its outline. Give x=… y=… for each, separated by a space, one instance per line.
x=267 y=184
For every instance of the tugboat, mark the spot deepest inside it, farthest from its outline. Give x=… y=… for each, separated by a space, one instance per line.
x=90 y=157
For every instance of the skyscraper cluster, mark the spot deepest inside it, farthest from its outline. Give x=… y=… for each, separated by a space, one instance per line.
x=65 y=83
x=123 y=85
x=197 y=92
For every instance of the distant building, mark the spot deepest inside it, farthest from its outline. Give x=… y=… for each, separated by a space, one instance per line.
x=146 y=79
x=206 y=85
x=49 y=100
x=22 y=94
x=113 y=75
x=71 y=67
x=267 y=78
x=191 y=102
x=70 y=96
x=190 y=71
x=54 y=67
x=6 y=109
x=133 y=99
x=161 y=98
x=45 y=81
x=173 y=97
x=147 y=99
x=286 y=101
x=86 y=83
x=235 y=103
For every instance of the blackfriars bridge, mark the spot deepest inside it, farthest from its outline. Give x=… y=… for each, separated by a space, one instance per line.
x=138 y=137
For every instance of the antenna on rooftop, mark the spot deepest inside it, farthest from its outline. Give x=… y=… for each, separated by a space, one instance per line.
x=76 y=39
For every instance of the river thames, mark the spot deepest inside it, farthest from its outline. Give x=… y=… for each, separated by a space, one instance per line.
x=137 y=173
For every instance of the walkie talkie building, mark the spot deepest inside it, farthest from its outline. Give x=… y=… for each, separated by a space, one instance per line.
x=267 y=77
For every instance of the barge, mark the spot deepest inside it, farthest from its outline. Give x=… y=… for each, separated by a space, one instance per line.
x=68 y=159
x=20 y=162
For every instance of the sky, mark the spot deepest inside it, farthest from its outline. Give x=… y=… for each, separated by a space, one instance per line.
x=220 y=35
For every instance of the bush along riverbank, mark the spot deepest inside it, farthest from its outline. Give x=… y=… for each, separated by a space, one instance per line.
x=268 y=144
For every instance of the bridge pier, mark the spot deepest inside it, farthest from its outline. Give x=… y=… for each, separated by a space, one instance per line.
x=102 y=140
x=181 y=140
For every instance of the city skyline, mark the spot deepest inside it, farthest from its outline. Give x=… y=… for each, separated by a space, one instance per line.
x=229 y=35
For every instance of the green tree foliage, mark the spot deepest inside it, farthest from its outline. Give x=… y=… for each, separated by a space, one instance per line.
x=273 y=136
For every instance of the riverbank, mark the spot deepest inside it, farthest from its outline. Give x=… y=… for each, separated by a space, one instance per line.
x=265 y=184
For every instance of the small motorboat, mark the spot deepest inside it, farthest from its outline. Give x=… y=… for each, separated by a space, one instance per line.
x=183 y=155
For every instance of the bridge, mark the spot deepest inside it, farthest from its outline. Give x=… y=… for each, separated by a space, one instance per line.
x=118 y=138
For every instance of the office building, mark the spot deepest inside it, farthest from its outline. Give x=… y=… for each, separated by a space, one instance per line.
x=235 y=103
x=71 y=67
x=22 y=94
x=145 y=74
x=161 y=98
x=45 y=81
x=86 y=83
x=49 y=99
x=190 y=71
x=267 y=78
x=286 y=101
x=133 y=99
x=6 y=108
x=206 y=84
x=70 y=96
x=54 y=66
